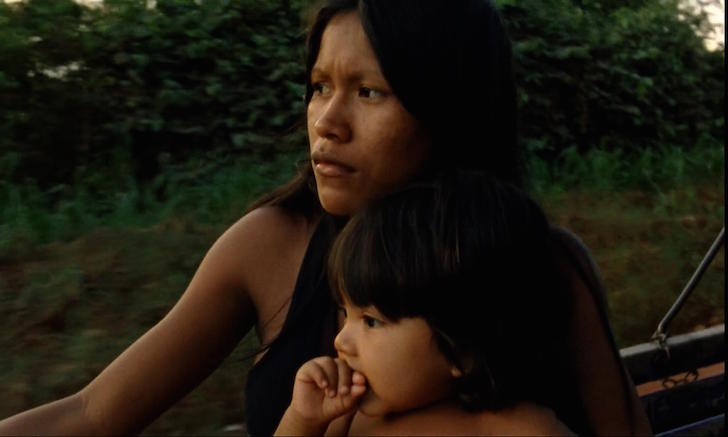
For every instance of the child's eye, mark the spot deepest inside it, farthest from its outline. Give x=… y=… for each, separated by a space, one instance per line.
x=371 y=322
x=369 y=93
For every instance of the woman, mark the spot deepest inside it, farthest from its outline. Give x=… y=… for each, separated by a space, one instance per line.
x=388 y=83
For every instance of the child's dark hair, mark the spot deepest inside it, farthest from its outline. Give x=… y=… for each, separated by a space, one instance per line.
x=472 y=256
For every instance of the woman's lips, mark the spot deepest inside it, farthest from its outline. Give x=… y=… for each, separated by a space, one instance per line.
x=332 y=168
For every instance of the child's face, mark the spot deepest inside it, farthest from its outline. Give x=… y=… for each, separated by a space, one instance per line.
x=402 y=364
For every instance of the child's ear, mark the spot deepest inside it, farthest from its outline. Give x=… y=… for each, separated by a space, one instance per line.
x=464 y=365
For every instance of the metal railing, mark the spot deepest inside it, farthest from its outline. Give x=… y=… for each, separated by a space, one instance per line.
x=688 y=404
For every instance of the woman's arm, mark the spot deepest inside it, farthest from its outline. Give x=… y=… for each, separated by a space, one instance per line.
x=610 y=401
x=609 y=397
x=218 y=308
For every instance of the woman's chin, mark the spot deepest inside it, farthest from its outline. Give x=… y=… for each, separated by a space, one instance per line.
x=338 y=204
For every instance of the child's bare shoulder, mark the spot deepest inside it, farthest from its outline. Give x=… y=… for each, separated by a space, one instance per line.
x=433 y=420
x=523 y=419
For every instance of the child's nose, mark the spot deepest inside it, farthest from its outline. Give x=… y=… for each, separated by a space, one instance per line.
x=343 y=342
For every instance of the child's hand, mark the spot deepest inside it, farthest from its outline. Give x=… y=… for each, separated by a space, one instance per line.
x=325 y=388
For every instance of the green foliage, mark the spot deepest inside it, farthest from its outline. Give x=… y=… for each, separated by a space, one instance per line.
x=108 y=94
x=613 y=75
x=108 y=90
x=120 y=113
x=648 y=169
x=210 y=190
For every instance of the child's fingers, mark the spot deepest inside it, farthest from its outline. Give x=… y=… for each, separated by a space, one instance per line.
x=358 y=378
x=358 y=390
x=331 y=374
x=345 y=374
x=359 y=384
x=313 y=372
x=334 y=377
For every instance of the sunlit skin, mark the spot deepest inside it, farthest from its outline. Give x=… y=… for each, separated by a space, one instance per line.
x=363 y=142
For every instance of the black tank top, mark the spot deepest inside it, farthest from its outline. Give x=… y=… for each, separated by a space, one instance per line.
x=307 y=332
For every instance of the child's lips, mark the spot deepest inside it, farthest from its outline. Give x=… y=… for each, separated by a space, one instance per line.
x=349 y=363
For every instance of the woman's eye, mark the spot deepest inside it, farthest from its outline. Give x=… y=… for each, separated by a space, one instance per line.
x=369 y=93
x=371 y=322
x=320 y=88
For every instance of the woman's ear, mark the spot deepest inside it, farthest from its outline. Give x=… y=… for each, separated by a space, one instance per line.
x=455 y=372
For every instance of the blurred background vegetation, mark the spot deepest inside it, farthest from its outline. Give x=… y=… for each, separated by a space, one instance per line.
x=133 y=132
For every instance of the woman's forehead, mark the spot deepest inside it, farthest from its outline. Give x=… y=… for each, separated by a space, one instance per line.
x=345 y=47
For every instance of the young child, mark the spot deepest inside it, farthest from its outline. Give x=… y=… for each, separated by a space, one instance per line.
x=454 y=320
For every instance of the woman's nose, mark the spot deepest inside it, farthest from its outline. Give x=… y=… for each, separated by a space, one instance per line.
x=332 y=120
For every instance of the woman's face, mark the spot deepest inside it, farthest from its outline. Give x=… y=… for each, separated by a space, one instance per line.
x=363 y=143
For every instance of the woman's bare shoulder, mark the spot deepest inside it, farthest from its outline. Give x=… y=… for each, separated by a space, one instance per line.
x=265 y=244
x=266 y=225
x=261 y=254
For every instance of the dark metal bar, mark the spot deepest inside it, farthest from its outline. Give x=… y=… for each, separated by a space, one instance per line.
x=660 y=333
x=649 y=362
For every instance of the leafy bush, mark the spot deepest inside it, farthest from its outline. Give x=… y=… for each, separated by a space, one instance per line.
x=119 y=86
x=649 y=169
x=613 y=75
x=107 y=97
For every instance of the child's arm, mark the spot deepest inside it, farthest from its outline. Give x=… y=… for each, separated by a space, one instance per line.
x=325 y=388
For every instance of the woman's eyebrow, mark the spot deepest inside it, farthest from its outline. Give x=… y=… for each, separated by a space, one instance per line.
x=318 y=71
x=352 y=73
